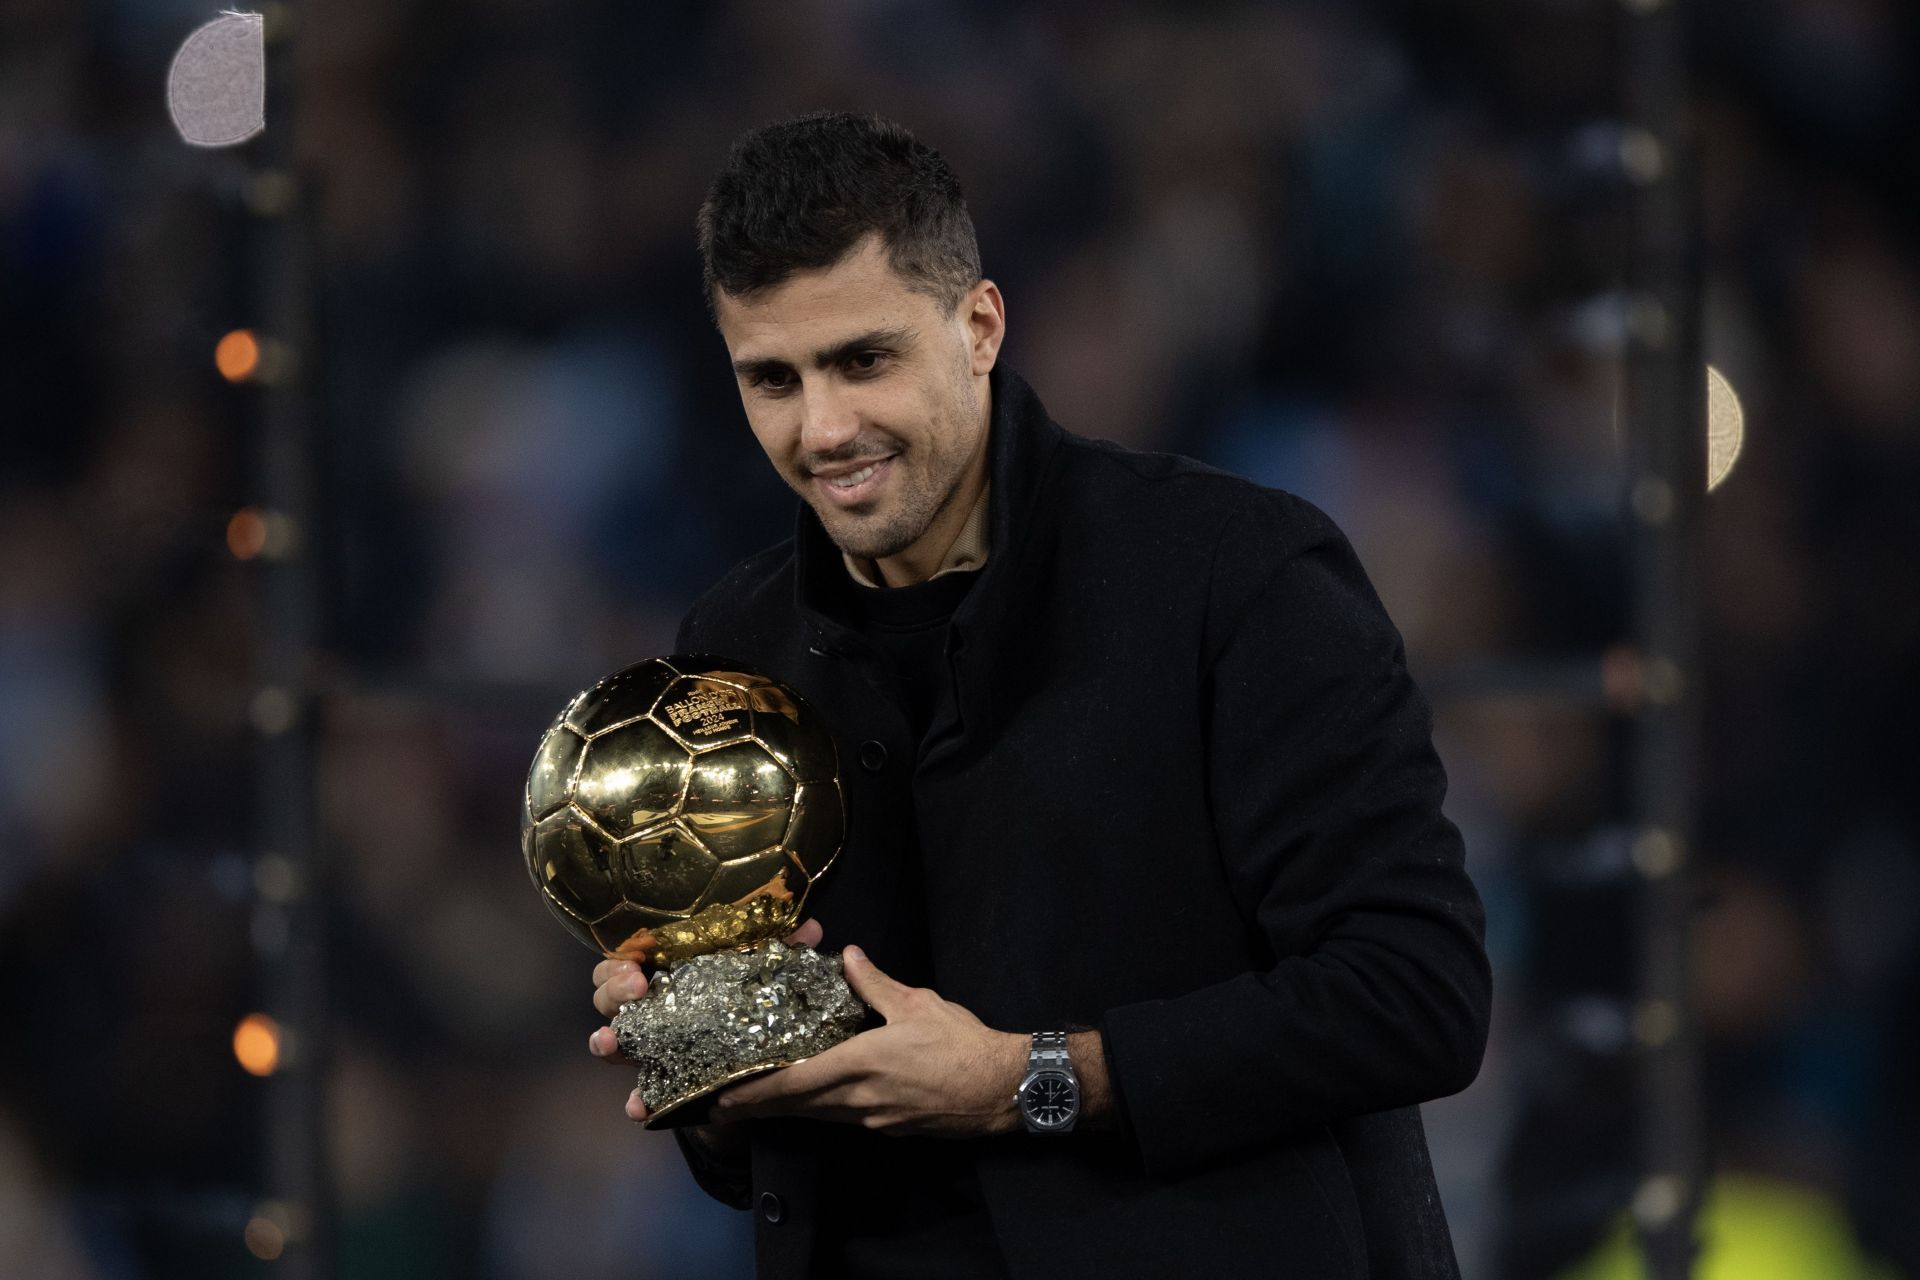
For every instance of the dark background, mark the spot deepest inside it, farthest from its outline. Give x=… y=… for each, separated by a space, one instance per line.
x=1369 y=252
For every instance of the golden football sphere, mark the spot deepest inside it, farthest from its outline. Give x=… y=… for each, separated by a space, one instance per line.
x=680 y=806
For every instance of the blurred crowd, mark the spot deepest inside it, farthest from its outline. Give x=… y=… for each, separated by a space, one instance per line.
x=1371 y=252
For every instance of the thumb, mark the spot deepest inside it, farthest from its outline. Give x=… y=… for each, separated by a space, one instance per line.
x=886 y=996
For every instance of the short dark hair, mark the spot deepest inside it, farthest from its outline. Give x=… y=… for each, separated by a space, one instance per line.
x=800 y=194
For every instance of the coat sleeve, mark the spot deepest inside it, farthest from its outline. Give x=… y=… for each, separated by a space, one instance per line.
x=728 y=1182
x=1325 y=794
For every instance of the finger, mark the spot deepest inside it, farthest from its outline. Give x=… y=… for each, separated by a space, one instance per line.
x=758 y=1103
x=807 y=935
x=636 y=1109
x=803 y=1084
x=840 y=1100
x=762 y=1091
x=608 y=968
x=605 y=1045
x=889 y=998
x=617 y=990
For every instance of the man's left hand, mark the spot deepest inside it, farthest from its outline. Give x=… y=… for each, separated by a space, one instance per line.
x=933 y=1069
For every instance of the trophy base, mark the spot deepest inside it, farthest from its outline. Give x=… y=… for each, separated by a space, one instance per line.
x=711 y=1020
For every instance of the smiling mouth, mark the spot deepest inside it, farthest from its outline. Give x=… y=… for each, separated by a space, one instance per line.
x=852 y=488
x=853 y=478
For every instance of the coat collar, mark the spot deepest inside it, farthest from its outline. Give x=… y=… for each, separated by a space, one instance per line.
x=1021 y=444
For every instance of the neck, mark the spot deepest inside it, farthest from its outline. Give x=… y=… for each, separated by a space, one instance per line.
x=923 y=559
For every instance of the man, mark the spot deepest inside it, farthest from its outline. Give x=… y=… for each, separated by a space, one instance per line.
x=1131 y=755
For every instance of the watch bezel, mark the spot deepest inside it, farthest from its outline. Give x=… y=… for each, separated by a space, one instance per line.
x=1025 y=1098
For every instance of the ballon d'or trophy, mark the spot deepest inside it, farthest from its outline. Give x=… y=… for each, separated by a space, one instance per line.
x=677 y=814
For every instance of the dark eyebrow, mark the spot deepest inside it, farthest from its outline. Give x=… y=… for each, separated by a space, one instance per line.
x=893 y=339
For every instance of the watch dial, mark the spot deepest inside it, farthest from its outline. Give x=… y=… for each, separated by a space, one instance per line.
x=1051 y=1100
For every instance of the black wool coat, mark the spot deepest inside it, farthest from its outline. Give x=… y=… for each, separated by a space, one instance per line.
x=1184 y=793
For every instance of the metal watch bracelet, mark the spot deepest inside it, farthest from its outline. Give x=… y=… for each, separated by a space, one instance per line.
x=1048 y=1056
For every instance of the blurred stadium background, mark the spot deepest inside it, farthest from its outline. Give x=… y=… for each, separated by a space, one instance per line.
x=1371 y=252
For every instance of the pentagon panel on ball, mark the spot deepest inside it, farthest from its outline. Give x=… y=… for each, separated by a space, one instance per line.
x=550 y=783
x=566 y=855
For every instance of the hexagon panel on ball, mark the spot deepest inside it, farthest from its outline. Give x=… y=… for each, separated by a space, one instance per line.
x=625 y=695
x=631 y=777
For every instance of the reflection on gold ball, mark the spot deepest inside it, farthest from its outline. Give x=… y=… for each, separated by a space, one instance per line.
x=680 y=806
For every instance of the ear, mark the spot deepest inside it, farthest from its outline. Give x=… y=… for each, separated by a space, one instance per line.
x=984 y=312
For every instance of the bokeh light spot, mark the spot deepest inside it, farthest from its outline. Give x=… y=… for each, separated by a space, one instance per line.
x=265 y=1240
x=247 y=533
x=1726 y=427
x=256 y=1043
x=237 y=356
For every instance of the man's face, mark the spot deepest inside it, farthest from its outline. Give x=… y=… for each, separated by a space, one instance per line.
x=865 y=395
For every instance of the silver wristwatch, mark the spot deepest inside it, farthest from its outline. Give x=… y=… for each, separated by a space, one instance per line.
x=1049 y=1095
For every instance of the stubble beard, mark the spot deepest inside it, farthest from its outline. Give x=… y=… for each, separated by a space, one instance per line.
x=923 y=496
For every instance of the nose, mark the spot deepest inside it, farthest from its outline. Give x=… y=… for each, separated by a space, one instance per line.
x=828 y=419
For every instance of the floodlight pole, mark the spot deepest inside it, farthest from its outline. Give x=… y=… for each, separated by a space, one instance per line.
x=290 y=928
x=1666 y=424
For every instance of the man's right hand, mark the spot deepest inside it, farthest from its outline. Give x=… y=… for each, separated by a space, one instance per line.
x=617 y=981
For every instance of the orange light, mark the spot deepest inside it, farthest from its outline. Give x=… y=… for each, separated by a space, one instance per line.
x=256 y=1043
x=247 y=533
x=265 y=1240
x=238 y=355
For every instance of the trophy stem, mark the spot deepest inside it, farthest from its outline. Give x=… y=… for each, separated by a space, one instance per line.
x=709 y=1020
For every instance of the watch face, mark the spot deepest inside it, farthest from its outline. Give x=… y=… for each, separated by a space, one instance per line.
x=1050 y=1099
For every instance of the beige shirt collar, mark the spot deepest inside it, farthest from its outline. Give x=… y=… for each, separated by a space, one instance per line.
x=968 y=552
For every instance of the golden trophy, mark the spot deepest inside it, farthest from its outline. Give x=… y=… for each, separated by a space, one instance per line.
x=677 y=814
